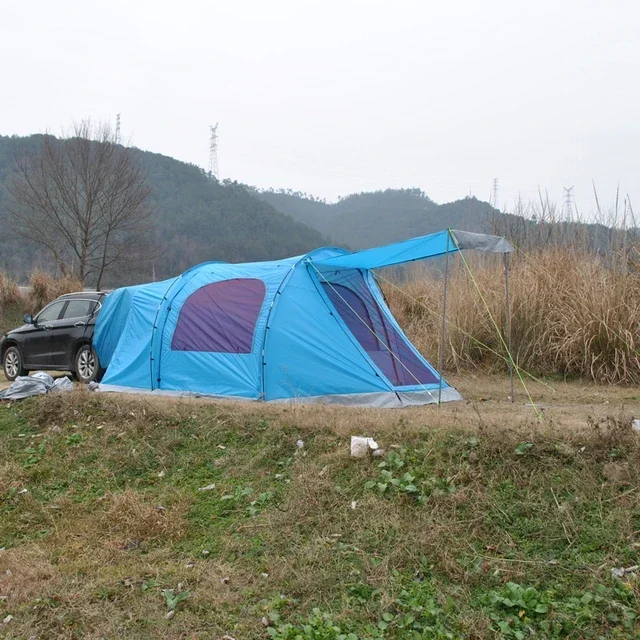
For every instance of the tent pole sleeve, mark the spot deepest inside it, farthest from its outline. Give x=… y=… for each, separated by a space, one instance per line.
x=265 y=335
x=444 y=321
x=505 y=258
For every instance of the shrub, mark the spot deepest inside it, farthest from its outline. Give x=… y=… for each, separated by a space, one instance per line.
x=9 y=291
x=45 y=288
x=10 y=300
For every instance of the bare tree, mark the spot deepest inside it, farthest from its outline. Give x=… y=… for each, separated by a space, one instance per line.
x=85 y=199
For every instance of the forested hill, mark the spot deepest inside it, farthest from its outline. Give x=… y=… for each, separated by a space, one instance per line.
x=369 y=219
x=197 y=219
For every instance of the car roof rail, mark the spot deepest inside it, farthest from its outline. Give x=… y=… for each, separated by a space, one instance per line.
x=84 y=292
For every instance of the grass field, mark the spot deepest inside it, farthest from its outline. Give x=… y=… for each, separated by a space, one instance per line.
x=480 y=522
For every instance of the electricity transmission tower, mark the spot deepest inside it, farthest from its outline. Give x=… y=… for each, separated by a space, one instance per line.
x=213 y=153
x=568 y=202
x=118 y=129
x=494 y=194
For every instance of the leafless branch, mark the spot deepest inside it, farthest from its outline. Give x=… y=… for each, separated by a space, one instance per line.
x=84 y=199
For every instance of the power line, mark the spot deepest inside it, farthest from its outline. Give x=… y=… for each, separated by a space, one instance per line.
x=213 y=153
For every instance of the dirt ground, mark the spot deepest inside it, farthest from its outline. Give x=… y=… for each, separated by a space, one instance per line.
x=565 y=406
x=4 y=383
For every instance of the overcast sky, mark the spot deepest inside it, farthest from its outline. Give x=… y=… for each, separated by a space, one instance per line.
x=340 y=96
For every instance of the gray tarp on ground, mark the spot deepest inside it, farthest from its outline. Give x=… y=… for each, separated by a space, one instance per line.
x=36 y=384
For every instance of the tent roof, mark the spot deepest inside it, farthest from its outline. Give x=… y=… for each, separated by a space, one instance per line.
x=430 y=246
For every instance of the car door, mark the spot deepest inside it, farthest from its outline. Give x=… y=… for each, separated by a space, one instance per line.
x=37 y=349
x=69 y=330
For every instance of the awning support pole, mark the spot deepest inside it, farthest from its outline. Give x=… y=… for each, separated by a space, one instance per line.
x=444 y=320
x=505 y=257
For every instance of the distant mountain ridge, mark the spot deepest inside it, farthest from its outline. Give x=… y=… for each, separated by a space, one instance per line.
x=369 y=219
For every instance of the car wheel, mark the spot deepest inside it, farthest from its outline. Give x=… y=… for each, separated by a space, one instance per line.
x=12 y=364
x=87 y=366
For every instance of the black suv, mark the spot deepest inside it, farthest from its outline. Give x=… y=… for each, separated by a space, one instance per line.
x=58 y=338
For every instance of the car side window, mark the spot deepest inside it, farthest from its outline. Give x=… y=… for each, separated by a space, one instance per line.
x=79 y=309
x=51 y=313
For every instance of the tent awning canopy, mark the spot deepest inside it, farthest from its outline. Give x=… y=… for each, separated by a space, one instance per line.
x=435 y=244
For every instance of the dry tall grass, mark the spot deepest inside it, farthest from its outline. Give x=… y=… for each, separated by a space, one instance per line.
x=572 y=314
x=43 y=288
x=9 y=291
x=9 y=294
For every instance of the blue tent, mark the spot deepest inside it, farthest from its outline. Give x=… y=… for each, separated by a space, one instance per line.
x=310 y=328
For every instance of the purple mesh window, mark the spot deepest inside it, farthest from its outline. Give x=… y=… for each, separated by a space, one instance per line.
x=220 y=317
x=354 y=301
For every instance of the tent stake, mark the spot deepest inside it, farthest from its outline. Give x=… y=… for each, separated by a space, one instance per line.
x=444 y=321
x=505 y=257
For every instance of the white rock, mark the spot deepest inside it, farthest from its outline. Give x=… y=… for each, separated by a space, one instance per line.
x=635 y=425
x=300 y=444
x=209 y=487
x=617 y=572
x=8 y=619
x=360 y=446
x=620 y=572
